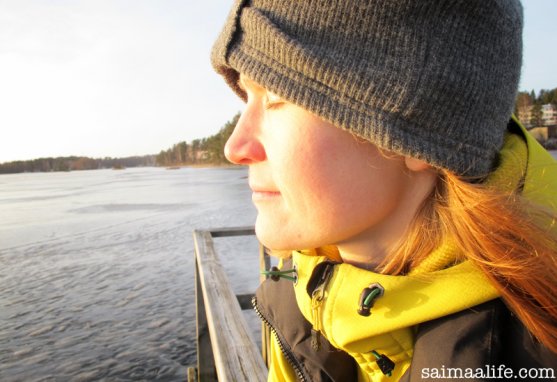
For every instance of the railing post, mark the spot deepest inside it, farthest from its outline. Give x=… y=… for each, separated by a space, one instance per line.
x=236 y=357
x=264 y=265
x=205 y=359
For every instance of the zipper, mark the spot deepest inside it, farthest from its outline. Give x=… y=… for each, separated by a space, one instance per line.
x=317 y=300
x=284 y=348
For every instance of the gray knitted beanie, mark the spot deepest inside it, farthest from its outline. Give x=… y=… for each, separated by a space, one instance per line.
x=431 y=79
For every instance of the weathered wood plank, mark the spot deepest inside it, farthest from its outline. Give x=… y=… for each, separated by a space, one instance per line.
x=236 y=356
x=205 y=361
x=265 y=265
x=231 y=231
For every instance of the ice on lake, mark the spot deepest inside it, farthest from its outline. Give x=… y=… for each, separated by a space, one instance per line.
x=96 y=269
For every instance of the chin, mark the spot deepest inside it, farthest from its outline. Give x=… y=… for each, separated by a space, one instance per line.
x=273 y=238
x=272 y=243
x=278 y=239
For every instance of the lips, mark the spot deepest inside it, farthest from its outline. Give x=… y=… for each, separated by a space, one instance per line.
x=268 y=193
x=261 y=193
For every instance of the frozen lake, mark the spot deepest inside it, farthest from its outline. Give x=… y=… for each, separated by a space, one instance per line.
x=96 y=269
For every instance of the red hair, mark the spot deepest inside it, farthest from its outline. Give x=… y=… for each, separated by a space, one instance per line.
x=511 y=240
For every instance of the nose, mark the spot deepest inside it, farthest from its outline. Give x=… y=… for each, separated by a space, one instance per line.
x=244 y=146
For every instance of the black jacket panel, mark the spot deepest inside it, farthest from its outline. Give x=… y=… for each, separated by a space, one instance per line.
x=486 y=336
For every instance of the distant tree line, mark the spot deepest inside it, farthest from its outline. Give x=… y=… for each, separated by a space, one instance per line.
x=200 y=151
x=74 y=163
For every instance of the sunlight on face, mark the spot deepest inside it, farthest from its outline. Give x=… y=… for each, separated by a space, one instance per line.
x=315 y=184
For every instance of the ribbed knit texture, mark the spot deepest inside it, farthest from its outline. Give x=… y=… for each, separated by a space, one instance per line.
x=431 y=79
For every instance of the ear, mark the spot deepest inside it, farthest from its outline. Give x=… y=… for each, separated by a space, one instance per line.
x=414 y=164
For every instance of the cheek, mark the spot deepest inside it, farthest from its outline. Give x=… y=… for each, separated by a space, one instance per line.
x=307 y=170
x=298 y=153
x=355 y=189
x=375 y=192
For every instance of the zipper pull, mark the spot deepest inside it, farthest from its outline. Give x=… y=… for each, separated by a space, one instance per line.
x=315 y=339
x=317 y=299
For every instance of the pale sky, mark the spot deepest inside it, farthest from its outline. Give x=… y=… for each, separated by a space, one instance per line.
x=132 y=77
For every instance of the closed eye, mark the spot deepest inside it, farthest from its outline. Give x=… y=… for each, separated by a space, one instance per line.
x=272 y=100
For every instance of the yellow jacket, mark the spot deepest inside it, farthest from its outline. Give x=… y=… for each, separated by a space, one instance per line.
x=429 y=292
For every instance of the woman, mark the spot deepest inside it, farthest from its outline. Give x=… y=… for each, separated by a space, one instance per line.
x=418 y=216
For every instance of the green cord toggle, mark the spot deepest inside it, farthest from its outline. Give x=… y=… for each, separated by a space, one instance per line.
x=276 y=274
x=371 y=296
x=385 y=364
x=368 y=297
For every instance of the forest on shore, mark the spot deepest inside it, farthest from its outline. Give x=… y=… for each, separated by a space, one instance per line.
x=74 y=163
x=205 y=151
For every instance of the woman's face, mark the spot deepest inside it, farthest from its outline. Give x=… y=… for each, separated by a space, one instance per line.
x=313 y=183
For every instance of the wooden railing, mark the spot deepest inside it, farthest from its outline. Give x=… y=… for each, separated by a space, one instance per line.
x=225 y=349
